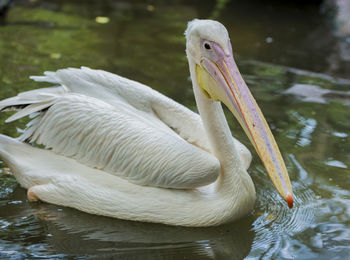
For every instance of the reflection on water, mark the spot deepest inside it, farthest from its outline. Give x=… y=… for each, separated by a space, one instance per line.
x=311 y=93
x=50 y=229
x=144 y=41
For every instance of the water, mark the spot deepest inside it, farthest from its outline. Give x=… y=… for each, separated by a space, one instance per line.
x=277 y=47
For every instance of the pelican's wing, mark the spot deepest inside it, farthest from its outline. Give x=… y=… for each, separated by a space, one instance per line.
x=115 y=139
x=114 y=89
x=117 y=90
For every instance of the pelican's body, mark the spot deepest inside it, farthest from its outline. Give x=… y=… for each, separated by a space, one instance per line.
x=121 y=149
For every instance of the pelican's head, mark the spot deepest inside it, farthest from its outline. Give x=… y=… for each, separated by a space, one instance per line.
x=208 y=46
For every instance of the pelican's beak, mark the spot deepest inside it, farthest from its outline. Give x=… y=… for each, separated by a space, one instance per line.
x=219 y=79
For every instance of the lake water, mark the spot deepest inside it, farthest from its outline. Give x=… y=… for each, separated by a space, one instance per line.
x=296 y=62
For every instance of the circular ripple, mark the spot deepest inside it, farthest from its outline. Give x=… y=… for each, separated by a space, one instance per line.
x=276 y=222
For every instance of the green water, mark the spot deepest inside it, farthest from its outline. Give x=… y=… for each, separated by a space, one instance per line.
x=277 y=45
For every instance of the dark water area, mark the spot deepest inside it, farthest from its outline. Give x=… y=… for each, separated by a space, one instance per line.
x=294 y=56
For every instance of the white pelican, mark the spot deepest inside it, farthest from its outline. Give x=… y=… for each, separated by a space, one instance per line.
x=120 y=149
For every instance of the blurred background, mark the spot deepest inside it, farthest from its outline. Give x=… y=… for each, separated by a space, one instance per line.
x=294 y=56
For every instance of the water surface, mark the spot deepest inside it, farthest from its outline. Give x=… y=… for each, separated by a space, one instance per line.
x=277 y=47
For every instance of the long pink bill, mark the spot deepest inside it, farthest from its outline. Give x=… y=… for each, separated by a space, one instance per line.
x=237 y=97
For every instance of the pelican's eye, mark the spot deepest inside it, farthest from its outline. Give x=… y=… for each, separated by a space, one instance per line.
x=207 y=46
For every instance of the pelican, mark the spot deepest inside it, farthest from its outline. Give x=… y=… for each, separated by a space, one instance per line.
x=118 y=148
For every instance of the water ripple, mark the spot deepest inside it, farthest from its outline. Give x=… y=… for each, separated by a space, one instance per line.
x=277 y=223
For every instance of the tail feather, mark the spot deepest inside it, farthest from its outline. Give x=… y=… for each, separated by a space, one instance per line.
x=30 y=109
x=50 y=77
x=31 y=101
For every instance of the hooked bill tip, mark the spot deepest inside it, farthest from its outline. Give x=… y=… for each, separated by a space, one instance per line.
x=289 y=200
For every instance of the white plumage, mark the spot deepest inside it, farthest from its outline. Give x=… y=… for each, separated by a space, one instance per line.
x=117 y=136
x=121 y=137
x=118 y=148
x=122 y=143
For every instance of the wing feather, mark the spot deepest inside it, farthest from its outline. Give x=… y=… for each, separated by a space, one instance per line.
x=84 y=126
x=100 y=135
x=153 y=106
x=117 y=90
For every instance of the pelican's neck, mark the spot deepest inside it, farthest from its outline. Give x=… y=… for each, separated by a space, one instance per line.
x=215 y=124
x=220 y=139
